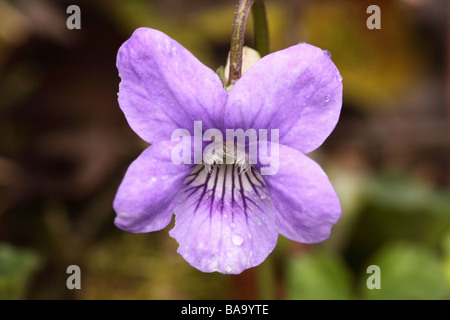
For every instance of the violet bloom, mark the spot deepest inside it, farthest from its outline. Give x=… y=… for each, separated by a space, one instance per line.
x=227 y=220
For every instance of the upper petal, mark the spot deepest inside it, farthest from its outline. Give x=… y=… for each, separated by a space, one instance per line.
x=164 y=87
x=146 y=198
x=297 y=91
x=305 y=203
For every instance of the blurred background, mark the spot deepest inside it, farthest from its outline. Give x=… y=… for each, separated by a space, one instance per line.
x=65 y=146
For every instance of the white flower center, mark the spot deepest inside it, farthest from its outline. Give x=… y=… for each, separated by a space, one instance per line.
x=227 y=153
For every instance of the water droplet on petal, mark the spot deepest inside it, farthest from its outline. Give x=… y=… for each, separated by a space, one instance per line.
x=154 y=179
x=339 y=77
x=327 y=53
x=301 y=42
x=263 y=197
x=232 y=225
x=237 y=239
x=229 y=254
x=327 y=99
x=228 y=269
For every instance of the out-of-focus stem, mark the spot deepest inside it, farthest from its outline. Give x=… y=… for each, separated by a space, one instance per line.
x=260 y=27
x=266 y=280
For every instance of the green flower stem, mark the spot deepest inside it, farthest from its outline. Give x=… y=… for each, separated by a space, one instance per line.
x=237 y=40
x=265 y=277
x=260 y=27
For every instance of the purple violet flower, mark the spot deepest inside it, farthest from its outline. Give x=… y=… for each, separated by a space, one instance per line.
x=227 y=219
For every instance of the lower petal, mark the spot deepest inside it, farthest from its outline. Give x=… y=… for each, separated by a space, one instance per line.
x=224 y=220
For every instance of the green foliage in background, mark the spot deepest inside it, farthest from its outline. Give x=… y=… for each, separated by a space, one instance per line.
x=400 y=225
x=318 y=276
x=409 y=272
x=16 y=267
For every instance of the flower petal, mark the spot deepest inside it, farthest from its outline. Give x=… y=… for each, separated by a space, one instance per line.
x=146 y=198
x=164 y=87
x=297 y=91
x=224 y=222
x=305 y=203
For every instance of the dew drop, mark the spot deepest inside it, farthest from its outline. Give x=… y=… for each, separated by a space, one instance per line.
x=263 y=197
x=154 y=179
x=327 y=99
x=228 y=269
x=301 y=42
x=237 y=239
x=339 y=77
x=229 y=254
x=327 y=53
x=232 y=225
